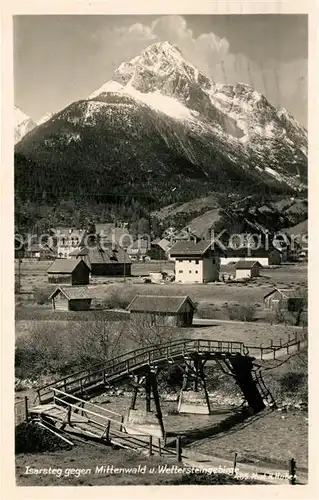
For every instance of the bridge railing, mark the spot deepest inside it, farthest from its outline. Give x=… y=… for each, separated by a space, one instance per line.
x=83 y=379
x=294 y=341
x=92 y=412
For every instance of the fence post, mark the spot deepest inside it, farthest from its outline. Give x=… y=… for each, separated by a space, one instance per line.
x=107 y=434
x=159 y=447
x=121 y=426
x=179 y=449
x=235 y=463
x=151 y=445
x=292 y=471
x=69 y=415
x=26 y=408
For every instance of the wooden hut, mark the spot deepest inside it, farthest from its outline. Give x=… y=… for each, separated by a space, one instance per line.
x=163 y=310
x=69 y=272
x=75 y=298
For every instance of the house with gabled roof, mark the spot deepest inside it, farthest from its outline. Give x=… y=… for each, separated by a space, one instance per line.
x=106 y=260
x=71 y=298
x=69 y=272
x=285 y=299
x=270 y=257
x=161 y=310
x=247 y=269
x=195 y=262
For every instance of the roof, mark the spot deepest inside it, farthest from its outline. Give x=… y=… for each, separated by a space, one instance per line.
x=228 y=268
x=247 y=264
x=158 y=303
x=164 y=244
x=249 y=252
x=102 y=254
x=66 y=266
x=285 y=292
x=108 y=255
x=72 y=292
x=79 y=252
x=190 y=248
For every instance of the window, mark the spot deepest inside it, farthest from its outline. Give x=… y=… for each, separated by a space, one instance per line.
x=196 y=272
x=196 y=262
x=190 y=260
x=190 y=272
x=213 y=260
x=180 y=271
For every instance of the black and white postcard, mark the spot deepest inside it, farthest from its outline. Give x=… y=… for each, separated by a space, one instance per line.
x=156 y=207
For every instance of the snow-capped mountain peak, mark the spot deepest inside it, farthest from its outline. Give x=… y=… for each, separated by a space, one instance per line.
x=160 y=119
x=22 y=124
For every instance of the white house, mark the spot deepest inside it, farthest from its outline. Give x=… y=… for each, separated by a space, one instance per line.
x=266 y=258
x=247 y=269
x=195 y=262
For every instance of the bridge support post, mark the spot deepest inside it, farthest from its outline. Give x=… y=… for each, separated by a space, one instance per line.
x=145 y=421
x=194 y=400
x=133 y=400
x=242 y=369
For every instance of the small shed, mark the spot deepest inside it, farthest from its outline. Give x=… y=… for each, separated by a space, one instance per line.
x=69 y=272
x=163 y=310
x=75 y=298
x=246 y=269
x=284 y=299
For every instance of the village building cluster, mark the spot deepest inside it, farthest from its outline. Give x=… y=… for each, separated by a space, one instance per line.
x=110 y=250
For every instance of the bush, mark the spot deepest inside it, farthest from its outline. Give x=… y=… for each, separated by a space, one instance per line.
x=51 y=350
x=238 y=312
x=209 y=311
x=41 y=297
x=116 y=300
x=31 y=438
x=292 y=381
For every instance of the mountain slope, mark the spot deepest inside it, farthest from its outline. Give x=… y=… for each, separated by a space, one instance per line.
x=162 y=132
x=22 y=124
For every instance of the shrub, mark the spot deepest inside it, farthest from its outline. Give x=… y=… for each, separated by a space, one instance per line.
x=41 y=297
x=239 y=312
x=51 y=350
x=209 y=311
x=116 y=300
x=31 y=438
x=292 y=381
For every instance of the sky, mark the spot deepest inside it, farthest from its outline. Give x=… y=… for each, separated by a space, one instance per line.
x=61 y=59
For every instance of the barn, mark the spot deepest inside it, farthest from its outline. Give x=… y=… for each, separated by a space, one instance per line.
x=266 y=258
x=69 y=272
x=284 y=299
x=163 y=310
x=75 y=298
x=109 y=260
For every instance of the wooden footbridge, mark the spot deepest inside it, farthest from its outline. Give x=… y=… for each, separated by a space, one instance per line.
x=65 y=405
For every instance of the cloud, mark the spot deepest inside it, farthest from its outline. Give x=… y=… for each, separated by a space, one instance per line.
x=283 y=83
